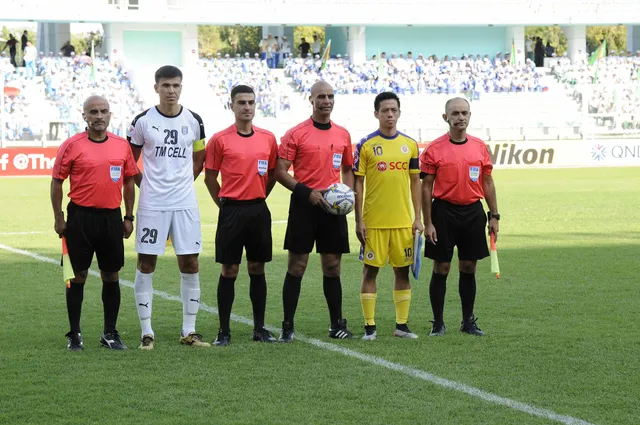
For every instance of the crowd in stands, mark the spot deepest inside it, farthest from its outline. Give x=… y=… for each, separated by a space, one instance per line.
x=471 y=75
x=223 y=73
x=14 y=102
x=51 y=92
x=617 y=93
x=49 y=101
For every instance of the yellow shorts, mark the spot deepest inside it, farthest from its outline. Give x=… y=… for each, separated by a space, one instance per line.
x=395 y=244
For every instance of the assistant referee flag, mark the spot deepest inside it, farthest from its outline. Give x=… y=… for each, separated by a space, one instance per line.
x=67 y=270
x=495 y=266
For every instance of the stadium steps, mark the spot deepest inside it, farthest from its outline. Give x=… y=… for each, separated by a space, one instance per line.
x=142 y=77
x=198 y=96
x=196 y=93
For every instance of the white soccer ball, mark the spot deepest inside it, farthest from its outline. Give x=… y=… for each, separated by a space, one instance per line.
x=341 y=199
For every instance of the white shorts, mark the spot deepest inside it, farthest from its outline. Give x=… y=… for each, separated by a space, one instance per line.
x=153 y=228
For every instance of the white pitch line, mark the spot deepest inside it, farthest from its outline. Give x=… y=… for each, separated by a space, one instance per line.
x=23 y=233
x=378 y=361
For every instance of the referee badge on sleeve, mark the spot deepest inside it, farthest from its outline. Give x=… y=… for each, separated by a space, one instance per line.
x=474 y=173
x=115 y=171
x=263 y=164
x=337 y=160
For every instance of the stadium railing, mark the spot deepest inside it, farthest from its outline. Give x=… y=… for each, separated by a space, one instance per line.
x=608 y=109
x=496 y=117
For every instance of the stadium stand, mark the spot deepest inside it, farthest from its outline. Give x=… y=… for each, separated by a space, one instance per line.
x=50 y=105
x=472 y=74
x=225 y=73
x=518 y=102
x=614 y=103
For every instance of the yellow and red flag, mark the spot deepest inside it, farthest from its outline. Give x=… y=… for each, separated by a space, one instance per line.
x=67 y=270
x=495 y=266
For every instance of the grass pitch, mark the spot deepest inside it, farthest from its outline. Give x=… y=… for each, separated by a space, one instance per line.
x=560 y=327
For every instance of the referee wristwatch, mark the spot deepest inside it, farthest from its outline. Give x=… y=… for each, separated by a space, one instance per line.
x=129 y=217
x=496 y=215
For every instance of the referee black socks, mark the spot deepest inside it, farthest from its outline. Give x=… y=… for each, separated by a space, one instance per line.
x=467 y=288
x=290 y=296
x=111 y=304
x=226 y=294
x=258 y=295
x=75 y=295
x=333 y=293
x=437 y=291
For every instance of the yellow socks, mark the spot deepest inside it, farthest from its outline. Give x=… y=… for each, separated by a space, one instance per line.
x=402 y=300
x=368 y=302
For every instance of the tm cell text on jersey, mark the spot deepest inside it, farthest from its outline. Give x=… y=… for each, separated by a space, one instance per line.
x=171 y=151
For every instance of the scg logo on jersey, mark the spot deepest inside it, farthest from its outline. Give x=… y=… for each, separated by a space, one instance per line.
x=399 y=165
x=382 y=166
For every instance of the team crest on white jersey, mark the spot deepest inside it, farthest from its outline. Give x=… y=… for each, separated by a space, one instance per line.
x=404 y=149
x=474 y=173
x=115 y=171
x=185 y=130
x=263 y=165
x=337 y=160
x=130 y=131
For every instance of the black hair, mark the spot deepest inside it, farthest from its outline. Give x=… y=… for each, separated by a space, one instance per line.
x=387 y=95
x=241 y=89
x=167 y=71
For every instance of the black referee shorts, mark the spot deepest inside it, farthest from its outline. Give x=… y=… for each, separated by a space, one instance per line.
x=463 y=226
x=95 y=230
x=244 y=224
x=308 y=224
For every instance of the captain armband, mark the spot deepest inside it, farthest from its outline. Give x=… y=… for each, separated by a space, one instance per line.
x=198 y=145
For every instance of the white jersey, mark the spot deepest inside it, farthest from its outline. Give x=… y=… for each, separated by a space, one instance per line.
x=167 y=158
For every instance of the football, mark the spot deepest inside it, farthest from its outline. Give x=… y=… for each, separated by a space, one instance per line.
x=341 y=199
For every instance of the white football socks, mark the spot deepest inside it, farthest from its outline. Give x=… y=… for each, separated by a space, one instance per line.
x=190 y=292
x=143 y=289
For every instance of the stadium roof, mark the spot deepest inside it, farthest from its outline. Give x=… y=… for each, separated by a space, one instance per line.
x=332 y=12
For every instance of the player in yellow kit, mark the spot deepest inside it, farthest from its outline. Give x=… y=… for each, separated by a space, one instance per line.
x=388 y=161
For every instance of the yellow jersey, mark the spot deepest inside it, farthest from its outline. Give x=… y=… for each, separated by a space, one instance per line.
x=386 y=164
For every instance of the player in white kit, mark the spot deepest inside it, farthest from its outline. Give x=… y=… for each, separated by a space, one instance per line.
x=171 y=140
